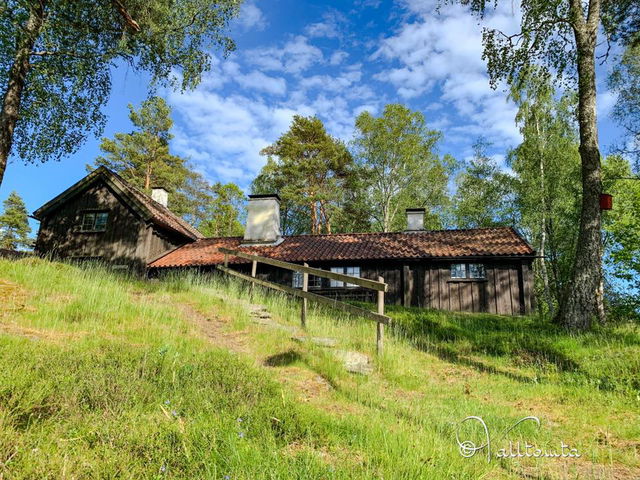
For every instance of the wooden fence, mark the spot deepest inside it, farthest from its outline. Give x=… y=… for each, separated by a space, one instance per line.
x=379 y=317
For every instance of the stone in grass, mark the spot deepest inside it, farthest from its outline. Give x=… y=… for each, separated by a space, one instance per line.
x=322 y=341
x=355 y=362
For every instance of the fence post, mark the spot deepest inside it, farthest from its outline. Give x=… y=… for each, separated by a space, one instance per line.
x=254 y=269
x=226 y=260
x=380 y=325
x=305 y=288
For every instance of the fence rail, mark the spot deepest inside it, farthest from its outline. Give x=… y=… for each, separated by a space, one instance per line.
x=380 y=318
x=341 y=277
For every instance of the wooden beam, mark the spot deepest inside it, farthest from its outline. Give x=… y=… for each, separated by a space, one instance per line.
x=305 y=288
x=341 y=277
x=380 y=325
x=345 y=307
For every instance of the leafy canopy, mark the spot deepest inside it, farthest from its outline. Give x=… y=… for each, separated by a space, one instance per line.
x=483 y=193
x=400 y=166
x=79 y=44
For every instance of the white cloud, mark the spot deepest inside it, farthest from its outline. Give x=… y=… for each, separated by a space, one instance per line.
x=296 y=56
x=251 y=17
x=444 y=51
x=338 y=57
x=606 y=100
x=330 y=27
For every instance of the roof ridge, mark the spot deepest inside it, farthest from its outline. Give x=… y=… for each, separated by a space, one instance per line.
x=157 y=205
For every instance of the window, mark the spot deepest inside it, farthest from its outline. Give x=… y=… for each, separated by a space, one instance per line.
x=353 y=271
x=458 y=270
x=476 y=270
x=94 y=222
x=467 y=270
x=314 y=282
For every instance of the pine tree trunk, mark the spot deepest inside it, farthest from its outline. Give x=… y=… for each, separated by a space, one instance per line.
x=17 y=78
x=580 y=304
x=314 y=222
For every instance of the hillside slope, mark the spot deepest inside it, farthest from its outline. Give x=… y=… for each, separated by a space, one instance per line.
x=109 y=377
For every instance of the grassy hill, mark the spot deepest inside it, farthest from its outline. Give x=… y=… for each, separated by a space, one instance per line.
x=108 y=377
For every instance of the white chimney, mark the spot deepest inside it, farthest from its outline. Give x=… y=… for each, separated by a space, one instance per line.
x=160 y=195
x=263 y=220
x=415 y=219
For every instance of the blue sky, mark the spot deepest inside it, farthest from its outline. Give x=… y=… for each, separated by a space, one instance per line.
x=333 y=59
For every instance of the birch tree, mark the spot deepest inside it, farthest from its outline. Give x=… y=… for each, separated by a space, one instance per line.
x=562 y=36
x=397 y=153
x=57 y=57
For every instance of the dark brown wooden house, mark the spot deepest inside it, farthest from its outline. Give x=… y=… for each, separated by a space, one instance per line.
x=475 y=270
x=103 y=217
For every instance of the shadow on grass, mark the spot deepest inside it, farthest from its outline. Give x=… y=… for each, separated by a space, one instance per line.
x=458 y=338
x=283 y=359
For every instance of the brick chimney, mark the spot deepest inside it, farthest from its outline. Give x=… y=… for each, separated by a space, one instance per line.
x=415 y=219
x=160 y=195
x=263 y=221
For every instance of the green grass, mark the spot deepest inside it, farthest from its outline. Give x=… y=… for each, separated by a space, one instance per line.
x=112 y=377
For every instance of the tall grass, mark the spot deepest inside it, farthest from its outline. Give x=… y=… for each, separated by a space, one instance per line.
x=108 y=376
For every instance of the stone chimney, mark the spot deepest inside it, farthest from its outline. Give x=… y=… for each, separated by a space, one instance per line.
x=160 y=195
x=415 y=219
x=263 y=221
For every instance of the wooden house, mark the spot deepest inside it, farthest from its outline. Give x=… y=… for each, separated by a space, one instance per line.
x=474 y=270
x=103 y=217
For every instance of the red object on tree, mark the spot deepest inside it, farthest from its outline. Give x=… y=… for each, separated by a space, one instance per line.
x=606 y=201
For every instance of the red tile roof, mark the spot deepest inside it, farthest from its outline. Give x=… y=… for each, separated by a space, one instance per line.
x=502 y=241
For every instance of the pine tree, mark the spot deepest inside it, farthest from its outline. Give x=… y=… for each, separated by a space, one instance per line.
x=143 y=158
x=14 y=223
x=310 y=170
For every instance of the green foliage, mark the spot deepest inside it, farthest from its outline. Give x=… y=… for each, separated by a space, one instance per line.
x=622 y=229
x=14 y=223
x=547 y=34
x=79 y=42
x=400 y=167
x=223 y=213
x=311 y=171
x=625 y=80
x=142 y=158
x=547 y=185
x=484 y=195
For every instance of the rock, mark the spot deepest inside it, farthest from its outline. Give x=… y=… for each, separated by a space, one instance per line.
x=355 y=362
x=322 y=341
x=268 y=322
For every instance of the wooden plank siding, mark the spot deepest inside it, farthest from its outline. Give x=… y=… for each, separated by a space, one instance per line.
x=127 y=240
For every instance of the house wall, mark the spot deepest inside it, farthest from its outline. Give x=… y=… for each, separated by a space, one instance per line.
x=507 y=288
x=127 y=241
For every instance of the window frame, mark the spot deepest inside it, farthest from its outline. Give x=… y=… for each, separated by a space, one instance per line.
x=453 y=268
x=297 y=280
x=481 y=269
x=94 y=223
x=343 y=270
x=467 y=272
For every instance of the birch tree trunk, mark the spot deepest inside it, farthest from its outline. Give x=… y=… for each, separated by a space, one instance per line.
x=581 y=299
x=543 y=225
x=16 y=81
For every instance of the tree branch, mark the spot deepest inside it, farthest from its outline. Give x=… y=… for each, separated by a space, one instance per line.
x=125 y=15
